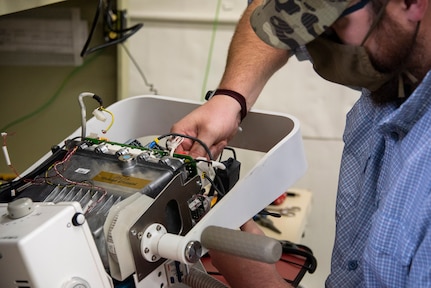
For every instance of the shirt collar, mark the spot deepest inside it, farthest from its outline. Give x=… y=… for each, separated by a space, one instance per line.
x=402 y=119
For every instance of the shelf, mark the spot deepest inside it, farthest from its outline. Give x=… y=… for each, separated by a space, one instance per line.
x=12 y=6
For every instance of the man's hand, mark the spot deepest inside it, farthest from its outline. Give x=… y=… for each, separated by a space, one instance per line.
x=214 y=123
x=241 y=272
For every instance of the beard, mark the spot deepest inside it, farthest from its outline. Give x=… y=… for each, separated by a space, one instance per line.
x=397 y=53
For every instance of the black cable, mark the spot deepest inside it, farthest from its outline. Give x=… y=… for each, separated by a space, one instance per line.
x=114 y=42
x=292 y=263
x=98 y=99
x=302 y=251
x=207 y=150
x=93 y=28
x=131 y=30
x=230 y=149
x=219 y=191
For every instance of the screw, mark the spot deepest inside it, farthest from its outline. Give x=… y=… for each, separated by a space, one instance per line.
x=193 y=251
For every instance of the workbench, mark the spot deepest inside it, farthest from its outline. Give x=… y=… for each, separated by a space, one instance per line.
x=292 y=227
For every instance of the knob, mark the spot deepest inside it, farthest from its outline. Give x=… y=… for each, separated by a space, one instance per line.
x=78 y=219
x=20 y=208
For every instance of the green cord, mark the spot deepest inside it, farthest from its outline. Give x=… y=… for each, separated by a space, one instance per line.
x=54 y=97
x=210 y=52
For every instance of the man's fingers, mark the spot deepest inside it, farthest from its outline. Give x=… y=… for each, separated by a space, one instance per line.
x=198 y=150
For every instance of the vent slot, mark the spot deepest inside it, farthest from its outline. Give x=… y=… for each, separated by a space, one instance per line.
x=22 y=284
x=95 y=204
x=93 y=201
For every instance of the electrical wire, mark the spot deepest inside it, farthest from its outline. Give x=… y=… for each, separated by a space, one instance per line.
x=210 y=51
x=55 y=168
x=173 y=143
x=191 y=138
x=112 y=119
x=108 y=15
x=141 y=73
x=93 y=28
x=6 y=155
x=230 y=149
x=218 y=188
x=96 y=112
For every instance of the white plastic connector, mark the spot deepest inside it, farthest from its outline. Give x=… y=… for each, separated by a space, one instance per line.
x=99 y=115
x=173 y=144
x=205 y=167
x=218 y=165
x=6 y=156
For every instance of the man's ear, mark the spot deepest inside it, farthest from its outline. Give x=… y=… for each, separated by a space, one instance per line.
x=416 y=9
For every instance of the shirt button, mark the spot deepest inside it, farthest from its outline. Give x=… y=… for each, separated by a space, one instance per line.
x=352 y=265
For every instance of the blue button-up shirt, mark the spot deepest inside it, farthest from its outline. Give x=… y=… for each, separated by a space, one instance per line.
x=383 y=211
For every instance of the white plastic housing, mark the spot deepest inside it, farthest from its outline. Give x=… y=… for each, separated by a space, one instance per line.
x=275 y=134
x=45 y=249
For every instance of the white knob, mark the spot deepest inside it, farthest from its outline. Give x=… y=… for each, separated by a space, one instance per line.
x=20 y=208
x=78 y=219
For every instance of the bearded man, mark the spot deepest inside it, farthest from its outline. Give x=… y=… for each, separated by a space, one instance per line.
x=383 y=47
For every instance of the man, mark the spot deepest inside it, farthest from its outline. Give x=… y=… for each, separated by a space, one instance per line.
x=383 y=211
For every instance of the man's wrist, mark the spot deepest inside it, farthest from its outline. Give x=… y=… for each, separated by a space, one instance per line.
x=233 y=94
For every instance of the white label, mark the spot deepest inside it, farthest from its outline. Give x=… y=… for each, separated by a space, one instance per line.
x=82 y=171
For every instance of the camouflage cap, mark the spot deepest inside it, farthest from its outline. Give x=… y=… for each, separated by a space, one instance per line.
x=288 y=24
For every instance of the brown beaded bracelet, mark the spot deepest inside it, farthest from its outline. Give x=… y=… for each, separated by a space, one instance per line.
x=235 y=95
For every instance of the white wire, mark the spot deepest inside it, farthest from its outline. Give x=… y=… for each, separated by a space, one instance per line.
x=83 y=112
x=141 y=73
x=173 y=144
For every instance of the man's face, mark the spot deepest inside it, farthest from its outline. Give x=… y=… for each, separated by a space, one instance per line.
x=390 y=46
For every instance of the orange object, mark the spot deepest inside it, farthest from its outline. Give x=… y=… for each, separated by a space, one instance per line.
x=279 y=200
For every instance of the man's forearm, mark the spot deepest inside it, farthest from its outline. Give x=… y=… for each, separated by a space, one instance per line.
x=250 y=62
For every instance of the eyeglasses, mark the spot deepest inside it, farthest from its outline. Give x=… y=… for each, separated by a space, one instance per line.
x=361 y=4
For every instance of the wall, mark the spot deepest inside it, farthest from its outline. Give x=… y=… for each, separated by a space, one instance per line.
x=182 y=53
x=48 y=95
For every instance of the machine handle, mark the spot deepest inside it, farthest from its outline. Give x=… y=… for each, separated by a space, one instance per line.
x=243 y=244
